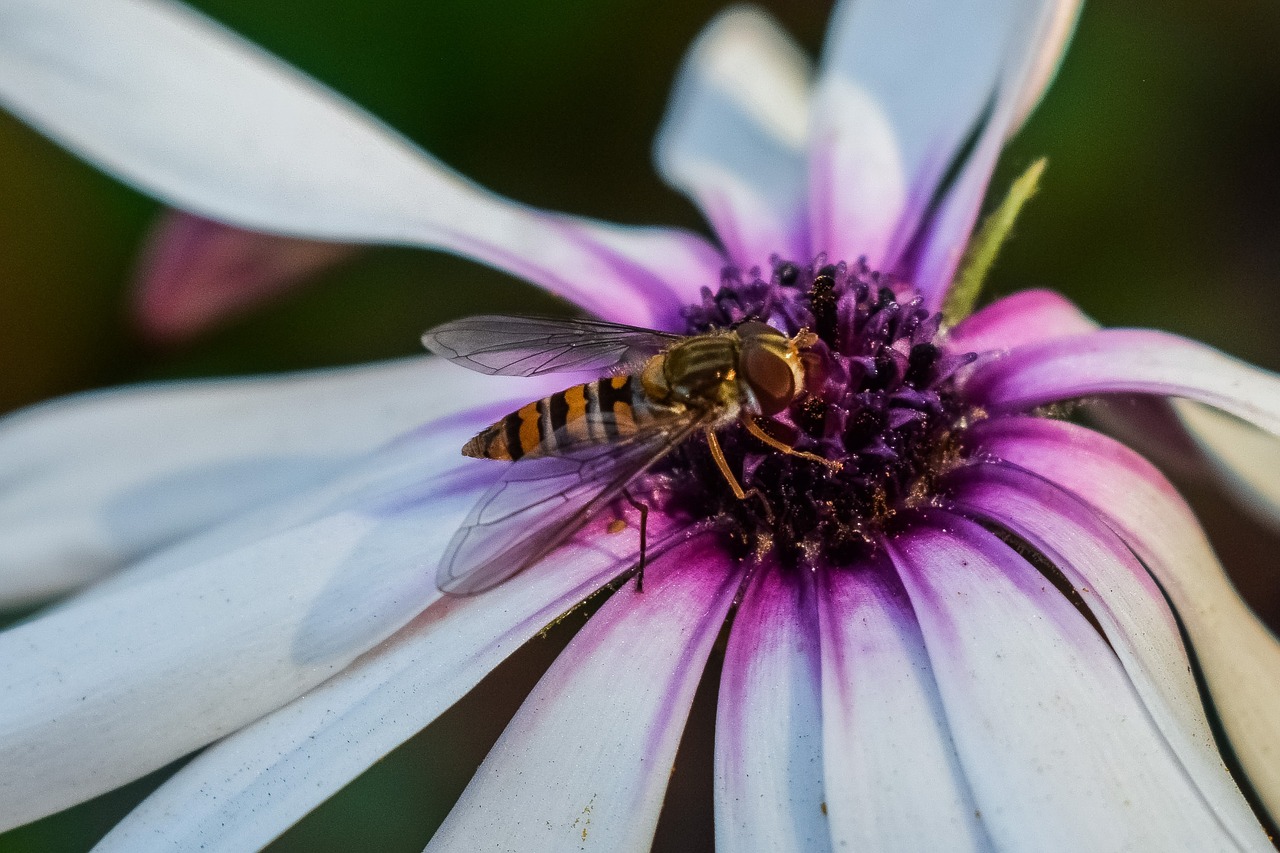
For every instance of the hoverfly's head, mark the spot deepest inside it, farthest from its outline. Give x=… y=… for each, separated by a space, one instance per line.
x=769 y=363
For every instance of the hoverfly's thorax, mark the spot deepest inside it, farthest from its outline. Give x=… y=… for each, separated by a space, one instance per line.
x=702 y=371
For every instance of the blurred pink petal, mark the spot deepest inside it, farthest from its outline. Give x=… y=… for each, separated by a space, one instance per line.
x=195 y=274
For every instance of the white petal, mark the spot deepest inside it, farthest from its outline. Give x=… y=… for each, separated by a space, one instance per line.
x=208 y=636
x=734 y=136
x=1239 y=657
x=902 y=84
x=1057 y=748
x=585 y=762
x=248 y=788
x=1131 y=611
x=162 y=97
x=94 y=481
x=768 y=756
x=894 y=781
x=1247 y=458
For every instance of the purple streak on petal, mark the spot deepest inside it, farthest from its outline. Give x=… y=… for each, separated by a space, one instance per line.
x=893 y=778
x=1026 y=317
x=768 y=758
x=1130 y=609
x=1054 y=741
x=596 y=738
x=195 y=274
x=1126 y=361
x=1239 y=657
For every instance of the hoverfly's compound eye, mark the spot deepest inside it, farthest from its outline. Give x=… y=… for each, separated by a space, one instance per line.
x=771 y=377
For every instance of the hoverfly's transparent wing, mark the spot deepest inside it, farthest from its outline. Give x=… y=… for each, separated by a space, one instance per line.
x=542 y=501
x=531 y=346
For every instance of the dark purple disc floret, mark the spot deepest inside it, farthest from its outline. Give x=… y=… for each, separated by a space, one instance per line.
x=879 y=398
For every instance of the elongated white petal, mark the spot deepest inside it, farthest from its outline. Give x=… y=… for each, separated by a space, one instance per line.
x=1239 y=657
x=1127 y=361
x=1026 y=317
x=1057 y=747
x=585 y=762
x=169 y=101
x=734 y=136
x=894 y=781
x=205 y=637
x=94 y=481
x=902 y=85
x=1028 y=62
x=1247 y=458
x=245 y=790
x=1130 y=610
x=768 y=758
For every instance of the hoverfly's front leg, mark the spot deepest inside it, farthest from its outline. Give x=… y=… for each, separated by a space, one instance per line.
x=643 y=509
x=749 y=421
x=718 y=455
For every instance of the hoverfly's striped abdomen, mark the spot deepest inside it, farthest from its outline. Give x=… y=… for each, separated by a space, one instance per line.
x=594 y=413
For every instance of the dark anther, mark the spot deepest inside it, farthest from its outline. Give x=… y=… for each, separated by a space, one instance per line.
x=787 y=275
x=811 y=416
x=920 y=364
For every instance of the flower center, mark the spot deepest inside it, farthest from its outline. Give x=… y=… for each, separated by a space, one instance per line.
x=879 y=398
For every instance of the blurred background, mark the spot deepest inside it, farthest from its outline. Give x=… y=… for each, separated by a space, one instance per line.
x=1161 y=207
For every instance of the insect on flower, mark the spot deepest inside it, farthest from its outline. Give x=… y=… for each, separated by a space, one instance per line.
x=578 y=449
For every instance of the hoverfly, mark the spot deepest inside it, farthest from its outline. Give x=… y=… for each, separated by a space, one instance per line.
x=575 y=451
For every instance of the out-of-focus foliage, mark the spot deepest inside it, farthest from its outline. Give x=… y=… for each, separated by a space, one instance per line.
x=1161 y=207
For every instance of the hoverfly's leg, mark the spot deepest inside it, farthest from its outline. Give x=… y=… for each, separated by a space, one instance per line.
x=643 y=509
x=718 y=455
x=749 y=421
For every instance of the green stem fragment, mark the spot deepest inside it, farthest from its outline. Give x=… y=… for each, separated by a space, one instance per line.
x=986 y=244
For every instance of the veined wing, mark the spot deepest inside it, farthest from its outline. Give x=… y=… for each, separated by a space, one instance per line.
x=542 y=501
x=530 y=346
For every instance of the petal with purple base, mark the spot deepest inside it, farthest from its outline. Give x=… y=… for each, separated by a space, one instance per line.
x=733 y=139
x=1055 y=743
x=902 y=84
x=1239 y=657
x=250 y=787
x=1026 y=317
x=1126 y=361
x=587 y=757
x=168 y=100
x=96 y=480
x=894 y=781
x=195 y=274
x=1131 y=612
x=768 y=755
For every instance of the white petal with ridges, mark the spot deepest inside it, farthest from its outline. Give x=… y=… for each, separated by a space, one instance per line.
x=902 y=84
x=96 y=480
x=768 y=752
x=1246 y=457
x=1057 y=748
x=1240 y=658
x=585 y=762
x=1131 y=611
x=250 y=787
x=201 y=639
x=733 y=138
x=171 y=102
x=894 y=781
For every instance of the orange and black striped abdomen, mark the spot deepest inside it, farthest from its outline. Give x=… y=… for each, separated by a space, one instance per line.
x=594 y=413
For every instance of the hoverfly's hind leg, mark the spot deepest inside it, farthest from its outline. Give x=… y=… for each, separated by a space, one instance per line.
x=749 y=421
x=643 y=509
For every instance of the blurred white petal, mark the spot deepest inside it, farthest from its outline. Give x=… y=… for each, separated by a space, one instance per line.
x=734 y=136
x=1247 y=458
x=170 y=101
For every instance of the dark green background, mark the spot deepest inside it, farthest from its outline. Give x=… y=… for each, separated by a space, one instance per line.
x=1161 y=207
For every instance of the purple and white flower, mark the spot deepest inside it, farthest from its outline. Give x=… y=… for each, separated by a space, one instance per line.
x=995 y=660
